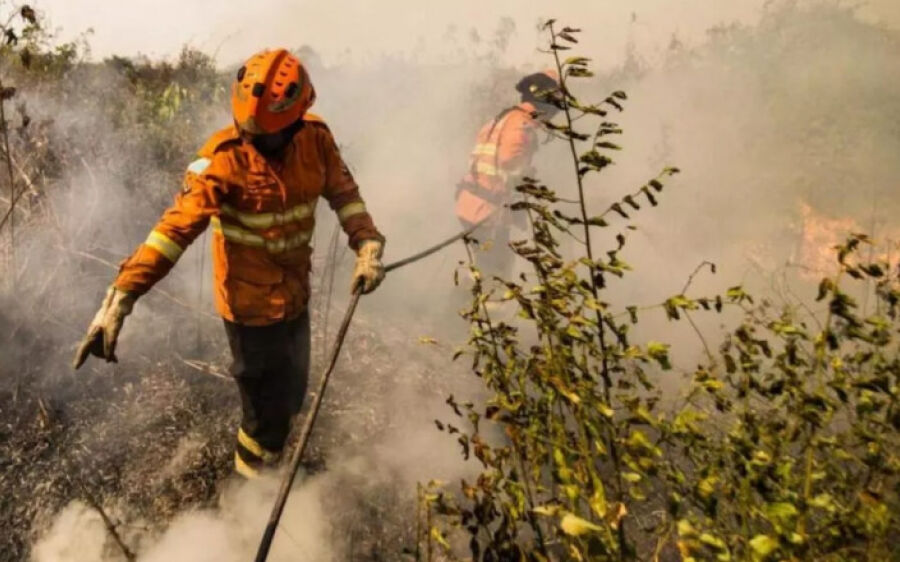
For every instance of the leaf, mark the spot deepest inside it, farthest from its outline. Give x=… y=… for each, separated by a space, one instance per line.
x=598 y=499
x=438 y=536
x=825 y=287
x=577 y=60
x=618 y=208
x=548 y=509
x=781 y=512
x=576 y=135
x=714 y=542
x=632 y=314
x=639 y=442
x=824 y=501
x=762 y=546
x=592 y=110
x=578 y=72
x=595 y=160
x=650 y=197
x=620 y=94
x=575 y=526
x=707 y=487
x=567 y=36
x=427 y=340
x=656 y=185
x=561 y=387
x=28 y=14
x=605 y=410
x=686 y=529
x=660 y=353
x=632 y=477
x=616 y=514
x=872 y=270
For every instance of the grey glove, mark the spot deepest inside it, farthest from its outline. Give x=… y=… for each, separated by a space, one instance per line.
x=103 y=331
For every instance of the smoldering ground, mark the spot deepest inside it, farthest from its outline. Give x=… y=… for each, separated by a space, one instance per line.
x=799 y=107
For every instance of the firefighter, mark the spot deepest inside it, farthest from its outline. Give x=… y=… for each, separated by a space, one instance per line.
x=256 y=183
x=502 y=156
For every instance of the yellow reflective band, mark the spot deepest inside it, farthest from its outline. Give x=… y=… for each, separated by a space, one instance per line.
x=255 y=448
x=238 y=235
x=268 y=220
x=485 y=149
x=243 y=468
x=164 y=245
x=351 y=209
x=487 y=169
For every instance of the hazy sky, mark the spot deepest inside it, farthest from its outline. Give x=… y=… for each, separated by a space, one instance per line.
x=351 y=30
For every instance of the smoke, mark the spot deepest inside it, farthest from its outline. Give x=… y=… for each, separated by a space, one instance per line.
x=228 y=533
x=795 y=104
x=77 y=533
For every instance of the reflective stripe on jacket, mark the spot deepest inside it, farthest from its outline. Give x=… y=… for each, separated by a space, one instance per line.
x=263 y=216
x=504 y=148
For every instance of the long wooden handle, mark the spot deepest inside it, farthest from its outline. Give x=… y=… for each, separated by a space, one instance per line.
x=297 y=456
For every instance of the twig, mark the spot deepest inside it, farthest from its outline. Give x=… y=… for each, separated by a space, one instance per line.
x=200 y=276
x=328 y=270
x=203 y=367
x=13 y=199
x=160 y=292
x=12 y=207
x=88 y=218
x=110 y=526
x=709 y=355
x=687 y=285
x=690 y=279
x=21 y=171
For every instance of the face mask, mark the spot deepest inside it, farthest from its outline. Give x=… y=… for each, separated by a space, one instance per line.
x=274 y=144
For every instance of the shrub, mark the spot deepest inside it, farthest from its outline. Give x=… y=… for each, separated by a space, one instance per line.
x=784 y=445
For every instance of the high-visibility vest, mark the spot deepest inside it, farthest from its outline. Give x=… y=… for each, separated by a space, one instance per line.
x=503 y=148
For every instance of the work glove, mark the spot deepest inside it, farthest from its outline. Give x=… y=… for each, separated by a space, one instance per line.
x=103 y=331
x=369 y=270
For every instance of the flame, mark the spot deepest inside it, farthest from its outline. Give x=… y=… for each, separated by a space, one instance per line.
x=820 y=234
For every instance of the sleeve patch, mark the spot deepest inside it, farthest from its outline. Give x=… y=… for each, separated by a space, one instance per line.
x=199 y=165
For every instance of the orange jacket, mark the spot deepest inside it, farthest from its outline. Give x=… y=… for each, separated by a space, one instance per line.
x=503 y=151
x=263 y=214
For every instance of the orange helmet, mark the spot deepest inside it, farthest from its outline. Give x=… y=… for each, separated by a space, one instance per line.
x=272 y=90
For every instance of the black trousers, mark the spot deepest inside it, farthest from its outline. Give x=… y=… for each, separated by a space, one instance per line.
x=271 y=367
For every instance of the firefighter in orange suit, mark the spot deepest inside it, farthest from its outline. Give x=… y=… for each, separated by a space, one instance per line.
x=257 y=184
x=501 y=158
